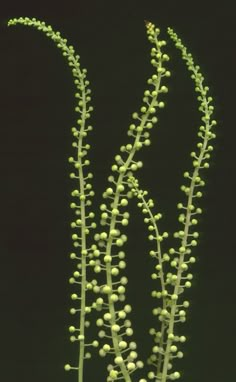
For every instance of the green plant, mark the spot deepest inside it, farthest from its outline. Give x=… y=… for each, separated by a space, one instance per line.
x=103 y=253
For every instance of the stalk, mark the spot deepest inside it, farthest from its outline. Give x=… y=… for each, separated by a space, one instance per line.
x=190 y=210
x=124 y=168
x=81 y=193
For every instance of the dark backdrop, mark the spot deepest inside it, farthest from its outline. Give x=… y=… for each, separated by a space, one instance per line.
x=36 y=105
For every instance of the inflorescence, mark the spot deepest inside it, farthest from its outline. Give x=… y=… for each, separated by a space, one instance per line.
x=103 y=252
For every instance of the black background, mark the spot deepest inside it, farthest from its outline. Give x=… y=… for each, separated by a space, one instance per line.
x=36 y=105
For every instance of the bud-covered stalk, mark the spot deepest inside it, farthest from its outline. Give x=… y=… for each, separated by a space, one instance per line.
x=114 y=214
x=151 y=219
x=83 y=192
x=179 y=281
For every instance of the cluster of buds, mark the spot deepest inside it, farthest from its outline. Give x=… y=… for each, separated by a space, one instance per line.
x=106 y=255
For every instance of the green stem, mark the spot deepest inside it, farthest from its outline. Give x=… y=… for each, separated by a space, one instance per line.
x=181 y=259
x=83 y=243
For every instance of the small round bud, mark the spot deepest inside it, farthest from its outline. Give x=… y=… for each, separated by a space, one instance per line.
x=115 y=271
x=106 y=347
x=131 y=366
x=115 y=212
x=118 y=360
x=107 y=259
x=103 y=236
x=176 y=375
x=113 y=374
x=129 y=332
x=122 y=314
x=106 y=289
x=99 y=322
x=114 y=232
x=127 y=308
x=109 y=191
x=123 y=344
x=124 y=202
x=184 y=266
x=119 y=242
x=151 y=375
x=115 y=328
x=107 y=316
x=120 y=188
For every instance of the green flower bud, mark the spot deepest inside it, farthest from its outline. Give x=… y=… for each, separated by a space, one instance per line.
x=123 y=345
x=114 y=232
x=106 y=347
x=115 y=328
x=109 y=191
x=107 y=259
x=129 y=332
x=103 y=236
x=106 y=289
x=115 y=271
x=176 y=375
x=122 y=314
x=115 y=212
x=99 y=322
x=127 y=308
x=114 y=297
x=130 y=365
x=118 y=360
x=124 y=222
x=107 y=316
x=124 y=202
x=113 y=374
